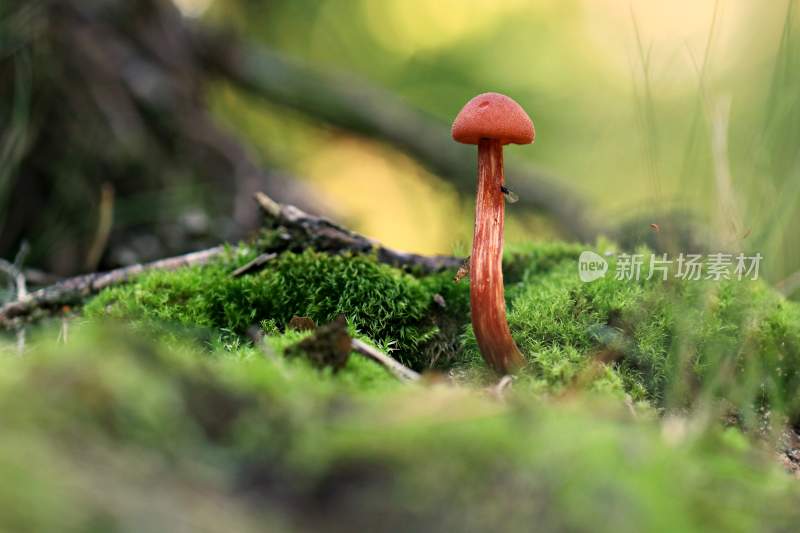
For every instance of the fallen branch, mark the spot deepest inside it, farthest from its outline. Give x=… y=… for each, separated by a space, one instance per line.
x=397 y=369
x=328 y=347
x=74 y=290
x=299 y=230
x=308 y=230
x=254 y=265
x=367 y=110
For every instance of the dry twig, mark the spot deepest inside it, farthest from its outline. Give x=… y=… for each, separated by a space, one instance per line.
x=308 y=230
x=75 y=290
x=18 y=276
x=397 y=369
x=254 y=265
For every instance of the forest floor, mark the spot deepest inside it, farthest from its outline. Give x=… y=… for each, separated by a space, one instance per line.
x=194 y=399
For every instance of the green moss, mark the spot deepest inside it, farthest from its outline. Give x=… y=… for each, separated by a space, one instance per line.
x=395 y=309
x=118 y=434
x=671 y=343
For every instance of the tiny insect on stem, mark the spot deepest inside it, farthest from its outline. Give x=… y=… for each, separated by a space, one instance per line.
x=511 y=196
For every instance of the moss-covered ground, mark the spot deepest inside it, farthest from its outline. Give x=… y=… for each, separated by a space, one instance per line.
x=646 y=406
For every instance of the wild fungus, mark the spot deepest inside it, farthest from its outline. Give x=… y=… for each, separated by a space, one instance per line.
x=491 y=120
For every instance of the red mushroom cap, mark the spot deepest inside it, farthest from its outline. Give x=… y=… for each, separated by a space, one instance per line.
x=493 y=116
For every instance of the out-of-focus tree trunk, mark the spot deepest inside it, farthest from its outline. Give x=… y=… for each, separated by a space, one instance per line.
x=108 y=154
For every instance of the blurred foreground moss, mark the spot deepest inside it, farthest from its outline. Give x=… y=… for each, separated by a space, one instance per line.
x=111 y=432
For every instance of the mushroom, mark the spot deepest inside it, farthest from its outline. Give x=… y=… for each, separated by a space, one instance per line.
x=491 y=120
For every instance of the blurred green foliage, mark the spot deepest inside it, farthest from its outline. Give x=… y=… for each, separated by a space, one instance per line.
x=112 y=433
x=638 y=107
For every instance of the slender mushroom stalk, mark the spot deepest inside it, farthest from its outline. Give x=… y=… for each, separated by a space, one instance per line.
x=490 y=121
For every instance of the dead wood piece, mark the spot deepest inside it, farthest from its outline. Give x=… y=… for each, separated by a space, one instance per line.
x=397 y=369
x=255 y=265
x=301 y=323
x=75 y=290
x=328 y=346
x=325 y=235
x=789 y=452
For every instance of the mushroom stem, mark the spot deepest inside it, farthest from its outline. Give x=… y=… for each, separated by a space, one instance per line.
x=486 y=275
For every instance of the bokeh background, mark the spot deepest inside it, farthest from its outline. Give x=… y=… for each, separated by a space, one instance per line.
x=121 y=141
